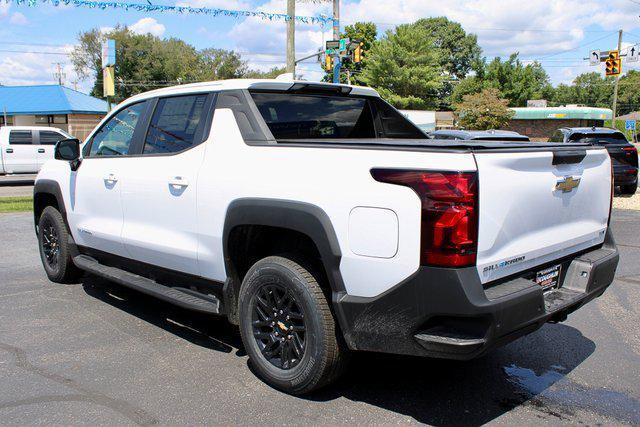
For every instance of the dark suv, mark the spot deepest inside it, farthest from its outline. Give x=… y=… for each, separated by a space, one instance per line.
x=623 y=154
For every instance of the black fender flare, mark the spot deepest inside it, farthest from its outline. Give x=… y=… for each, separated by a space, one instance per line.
x=302 y=217
x=50 y=187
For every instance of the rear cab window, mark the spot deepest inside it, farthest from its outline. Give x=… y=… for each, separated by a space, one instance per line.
x=303 y=116
x=49 y=137
x=20 y=137
x=599 y=139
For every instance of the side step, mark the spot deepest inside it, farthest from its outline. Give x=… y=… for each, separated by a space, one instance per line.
x=185 y=298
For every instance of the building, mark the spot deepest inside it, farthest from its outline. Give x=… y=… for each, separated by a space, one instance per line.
x=51 y=105
x=540 y=122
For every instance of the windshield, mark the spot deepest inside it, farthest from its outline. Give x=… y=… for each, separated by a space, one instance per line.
x=599 y=139
x=501 y=138
x=293 y=116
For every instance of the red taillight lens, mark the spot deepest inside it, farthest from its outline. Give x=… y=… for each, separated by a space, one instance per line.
x=630 y=150
x=449 y=235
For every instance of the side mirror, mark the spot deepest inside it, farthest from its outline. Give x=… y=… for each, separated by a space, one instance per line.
x=68 y=150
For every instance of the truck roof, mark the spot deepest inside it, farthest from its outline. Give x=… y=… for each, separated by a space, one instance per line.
x=258 y=84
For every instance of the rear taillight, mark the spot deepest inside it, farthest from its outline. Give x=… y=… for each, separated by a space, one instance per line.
x=630 y=150
x=449 y=234
x=612 y=190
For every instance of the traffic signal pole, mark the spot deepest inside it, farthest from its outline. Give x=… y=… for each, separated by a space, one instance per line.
x=336 y=36
x=291 y=38
x=615 y=88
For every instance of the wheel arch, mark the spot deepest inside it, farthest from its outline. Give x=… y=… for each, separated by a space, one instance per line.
x=46 y=192
x=304 y=218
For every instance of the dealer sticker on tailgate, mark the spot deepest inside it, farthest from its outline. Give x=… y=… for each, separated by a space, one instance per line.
x=549 y=277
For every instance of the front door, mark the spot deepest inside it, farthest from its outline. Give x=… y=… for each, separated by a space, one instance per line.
x=46 y=142
x=159 y=190
x=95 y=216
x=20 y=153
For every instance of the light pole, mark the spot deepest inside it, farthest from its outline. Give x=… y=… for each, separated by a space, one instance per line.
x=291 y=37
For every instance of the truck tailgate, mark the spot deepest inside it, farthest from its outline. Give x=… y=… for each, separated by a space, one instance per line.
x=525 y=220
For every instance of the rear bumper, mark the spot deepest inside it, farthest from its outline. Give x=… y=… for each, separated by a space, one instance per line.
x=447 y=313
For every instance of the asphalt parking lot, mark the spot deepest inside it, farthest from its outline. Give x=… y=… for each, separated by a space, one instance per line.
x=98 y=354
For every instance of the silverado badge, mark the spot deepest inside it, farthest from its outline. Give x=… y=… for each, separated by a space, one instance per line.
x=567 y=184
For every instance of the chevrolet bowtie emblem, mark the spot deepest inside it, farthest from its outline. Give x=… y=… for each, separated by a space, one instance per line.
x=567 y=184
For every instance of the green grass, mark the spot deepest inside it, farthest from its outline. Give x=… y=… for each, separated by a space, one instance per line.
x=16 y=204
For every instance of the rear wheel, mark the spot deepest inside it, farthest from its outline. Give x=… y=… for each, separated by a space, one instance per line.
x=629 y=189
x=53 y=241
x=287 y=327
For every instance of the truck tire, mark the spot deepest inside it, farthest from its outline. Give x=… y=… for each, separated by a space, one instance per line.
x=53 y=242
x=629 y=189
x=287 y=327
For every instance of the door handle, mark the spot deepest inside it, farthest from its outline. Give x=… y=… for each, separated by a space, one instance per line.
x=178 y=181
x=9 y=150
x=111 y=179
x=40 y=150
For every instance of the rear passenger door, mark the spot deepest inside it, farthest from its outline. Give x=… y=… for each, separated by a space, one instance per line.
x=20 y=153
x=159 y=189
x=46 y=141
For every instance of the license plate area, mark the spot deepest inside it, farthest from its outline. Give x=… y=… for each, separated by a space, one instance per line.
x=549 y=278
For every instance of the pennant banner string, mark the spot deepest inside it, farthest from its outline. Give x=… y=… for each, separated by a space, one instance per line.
x=140 y=7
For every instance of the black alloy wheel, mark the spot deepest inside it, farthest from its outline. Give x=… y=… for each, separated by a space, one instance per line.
x=278 y=326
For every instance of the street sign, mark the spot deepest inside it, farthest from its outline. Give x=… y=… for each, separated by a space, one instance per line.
x=594 y=57
x=632 y=54
x=108 y=53
x=630 y=124
x=108 y=82
x=343 y=44
x=332 y=44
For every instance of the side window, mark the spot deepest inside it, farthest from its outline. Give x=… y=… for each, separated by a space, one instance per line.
x=114 y=137
x=49 y=137
x=174 y=124
x=20 y=137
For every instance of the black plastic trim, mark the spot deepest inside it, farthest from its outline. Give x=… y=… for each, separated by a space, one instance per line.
x=448 y=313
x=252 y=128
x=48 y=186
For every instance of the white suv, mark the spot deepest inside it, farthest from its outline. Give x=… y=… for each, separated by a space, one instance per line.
x=320 y=220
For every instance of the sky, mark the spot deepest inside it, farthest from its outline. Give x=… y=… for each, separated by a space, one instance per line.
x=557 y=33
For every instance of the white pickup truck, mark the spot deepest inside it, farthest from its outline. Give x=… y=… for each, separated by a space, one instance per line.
x=24 y=149
x=320 y=220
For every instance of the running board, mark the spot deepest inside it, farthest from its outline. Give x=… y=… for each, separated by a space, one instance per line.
x=185 y=298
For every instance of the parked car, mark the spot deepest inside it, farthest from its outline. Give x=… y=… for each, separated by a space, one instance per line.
x=623 y=154
x=477 y=135
x=24 y=149
x=320 y=220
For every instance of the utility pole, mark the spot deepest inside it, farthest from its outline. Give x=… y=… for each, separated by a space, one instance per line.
x=615 y=88
x=291 y=37
x=336 y=36
x=59 y=74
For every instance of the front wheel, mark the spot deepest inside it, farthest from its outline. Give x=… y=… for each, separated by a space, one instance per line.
x=53 y=242
x=287 y=327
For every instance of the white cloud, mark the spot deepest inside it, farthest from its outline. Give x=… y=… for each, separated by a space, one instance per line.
x=104 y=30
x=217 y=4
x=18 y=19
x=148 y=25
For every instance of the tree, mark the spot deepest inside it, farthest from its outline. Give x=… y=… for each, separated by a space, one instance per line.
x=628 y=93
x=220 y=64
x=145 y=62
x=517 y=82
x=484 y=110
x=590 y=89
x=270 y=74
x=403 y=69
x=467 y=86
x=459 y=51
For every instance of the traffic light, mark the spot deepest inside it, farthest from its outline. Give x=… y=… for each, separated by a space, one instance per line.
x=328 y=63
x=357 y=53
x=613 y=64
